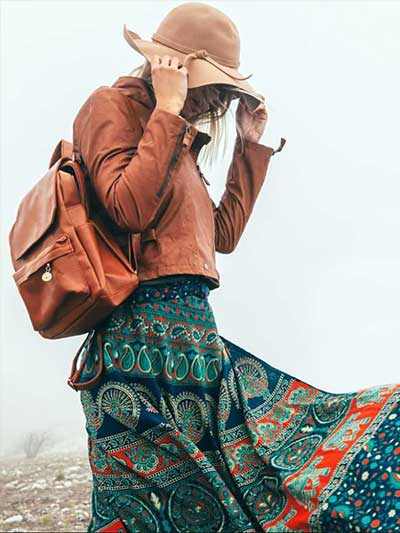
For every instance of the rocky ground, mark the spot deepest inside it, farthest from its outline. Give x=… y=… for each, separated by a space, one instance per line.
x=48 y=493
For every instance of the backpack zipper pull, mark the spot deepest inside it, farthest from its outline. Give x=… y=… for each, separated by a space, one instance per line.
x=47 y=275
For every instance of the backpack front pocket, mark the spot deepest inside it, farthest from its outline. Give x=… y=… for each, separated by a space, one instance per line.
x=52 y=284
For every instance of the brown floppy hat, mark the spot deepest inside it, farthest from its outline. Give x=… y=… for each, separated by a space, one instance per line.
x=212 y=40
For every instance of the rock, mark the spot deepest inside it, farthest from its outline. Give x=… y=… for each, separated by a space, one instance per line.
x=34 y=500
x=40 y=486
x=14 y=519
x=71 y=469
x=10 y=484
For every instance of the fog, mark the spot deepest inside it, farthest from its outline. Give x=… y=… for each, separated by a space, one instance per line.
x=313 y=287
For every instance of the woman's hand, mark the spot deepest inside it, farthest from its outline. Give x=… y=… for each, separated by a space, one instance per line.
x=252 y=124
x=169 y=78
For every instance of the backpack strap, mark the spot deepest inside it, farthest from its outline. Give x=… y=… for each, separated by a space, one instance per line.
x=65 y=149
x=76 y=373
x=134 y=246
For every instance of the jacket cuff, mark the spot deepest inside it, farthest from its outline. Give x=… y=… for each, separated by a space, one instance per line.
x=173 y=125
x=173 y=118
x=252 y=146
x=254 y=159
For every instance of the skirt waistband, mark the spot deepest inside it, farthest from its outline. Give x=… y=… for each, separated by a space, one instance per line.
x=168 y=290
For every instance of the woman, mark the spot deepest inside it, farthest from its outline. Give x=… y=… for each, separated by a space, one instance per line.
x=188 y=431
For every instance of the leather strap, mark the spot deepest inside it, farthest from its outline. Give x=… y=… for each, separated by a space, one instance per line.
x=76 y=373
x=134 y=244
x=281 y=145
x=134 y=239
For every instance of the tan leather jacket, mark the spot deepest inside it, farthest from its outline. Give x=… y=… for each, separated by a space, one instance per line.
x=144 y=178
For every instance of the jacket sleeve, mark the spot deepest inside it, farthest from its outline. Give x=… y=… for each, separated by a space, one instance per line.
x=246 y=176
x=129 y=167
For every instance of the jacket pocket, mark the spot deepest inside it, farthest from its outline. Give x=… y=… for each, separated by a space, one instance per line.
x=52 y=284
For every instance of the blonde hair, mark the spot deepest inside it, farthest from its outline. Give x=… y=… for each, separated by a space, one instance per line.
x=217 y=99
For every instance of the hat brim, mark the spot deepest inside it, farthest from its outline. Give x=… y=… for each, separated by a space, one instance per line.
x=200 y=72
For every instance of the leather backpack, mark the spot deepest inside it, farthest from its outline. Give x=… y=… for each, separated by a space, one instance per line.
x=69 y=271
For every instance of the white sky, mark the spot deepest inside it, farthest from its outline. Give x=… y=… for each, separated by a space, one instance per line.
x=313 y=287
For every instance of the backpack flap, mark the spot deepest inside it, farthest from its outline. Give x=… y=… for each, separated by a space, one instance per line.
x=36 y=213
x=37 y=210
x=62 y=151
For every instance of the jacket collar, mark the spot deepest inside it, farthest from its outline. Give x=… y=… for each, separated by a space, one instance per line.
x=137 y=88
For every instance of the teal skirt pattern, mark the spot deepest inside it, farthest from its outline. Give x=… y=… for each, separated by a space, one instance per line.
x=189 y=432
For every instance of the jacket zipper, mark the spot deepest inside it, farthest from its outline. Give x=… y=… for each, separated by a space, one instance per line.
x=202 y=175
x=174 y=158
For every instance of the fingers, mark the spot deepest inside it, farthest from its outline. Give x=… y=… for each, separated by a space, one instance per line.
x=259 y=112
x=183 y=69
x=177 y=64
x=155 y=60
x=260 y=107
x=174 y=62
x=166 y=61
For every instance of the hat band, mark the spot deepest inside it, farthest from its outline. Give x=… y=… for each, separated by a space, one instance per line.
x=199 y=54
x=218 y=66
x=184 y=49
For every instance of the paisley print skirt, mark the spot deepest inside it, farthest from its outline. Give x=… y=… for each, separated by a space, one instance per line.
x=189 y=432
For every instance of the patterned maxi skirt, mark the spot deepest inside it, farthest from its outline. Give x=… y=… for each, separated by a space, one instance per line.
x=189 y=432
